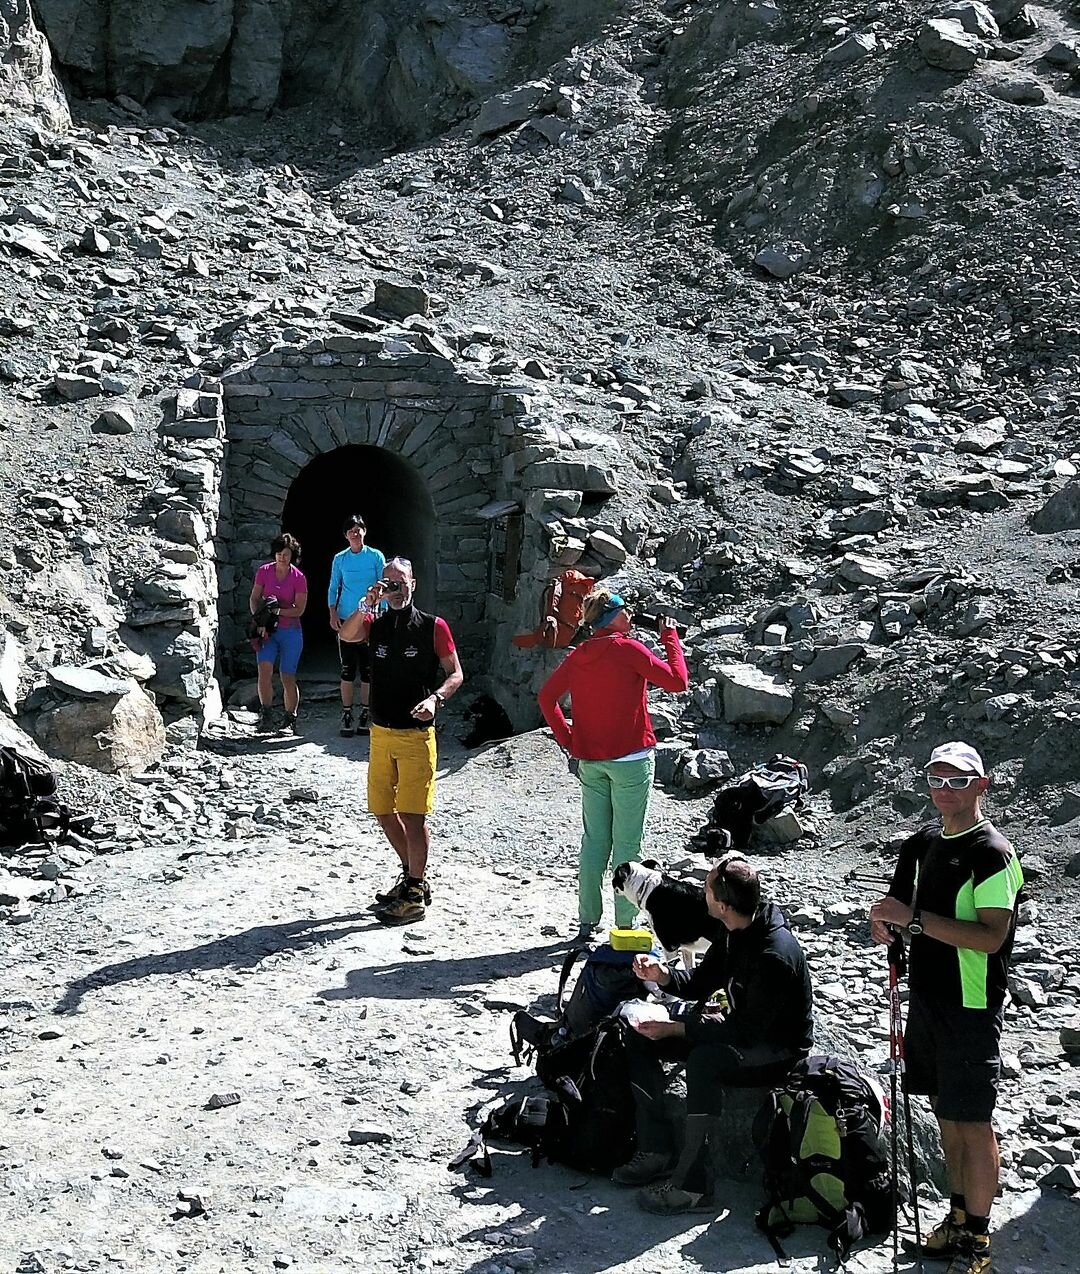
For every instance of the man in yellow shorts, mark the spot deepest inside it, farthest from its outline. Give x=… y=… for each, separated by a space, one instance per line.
x=414 y=670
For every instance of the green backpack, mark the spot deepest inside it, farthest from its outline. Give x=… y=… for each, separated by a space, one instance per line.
x=825 y=1161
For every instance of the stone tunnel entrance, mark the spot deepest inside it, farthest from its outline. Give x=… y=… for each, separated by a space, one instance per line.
x=448 y=468
x=393 y=499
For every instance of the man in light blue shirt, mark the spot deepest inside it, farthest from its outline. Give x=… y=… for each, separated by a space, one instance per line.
x=352 y=573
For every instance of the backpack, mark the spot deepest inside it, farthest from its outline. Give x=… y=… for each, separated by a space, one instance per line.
x=560 y=612
x=750 y=800
x=28 y=804
x=825 y=1162
x=586 y=1119
x=605 y=980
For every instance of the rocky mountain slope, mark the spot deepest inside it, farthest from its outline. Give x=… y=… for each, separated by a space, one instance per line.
x=801 y=277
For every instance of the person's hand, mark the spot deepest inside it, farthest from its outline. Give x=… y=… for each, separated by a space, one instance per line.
x=665 y=624
x=649 y=969
x=425 y=710
x=888 y=915
x=335 y=623
x=659 y=1030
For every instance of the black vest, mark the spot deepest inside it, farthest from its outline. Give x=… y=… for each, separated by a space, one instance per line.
x=404 y=667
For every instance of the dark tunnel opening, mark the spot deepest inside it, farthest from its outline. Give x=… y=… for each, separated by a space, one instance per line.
x=392 y=498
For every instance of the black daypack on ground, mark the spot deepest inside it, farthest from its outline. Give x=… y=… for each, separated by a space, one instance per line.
x=584 y=1121
x=28 y=804
x=586 y=1118
x=752 y=799
x=825 y=1161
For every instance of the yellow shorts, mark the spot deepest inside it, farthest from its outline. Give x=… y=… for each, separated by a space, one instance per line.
x=401 y=771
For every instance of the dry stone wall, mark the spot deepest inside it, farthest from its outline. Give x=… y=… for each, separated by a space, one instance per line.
x=498 y=479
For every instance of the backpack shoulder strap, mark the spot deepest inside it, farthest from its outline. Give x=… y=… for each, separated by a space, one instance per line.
x=572 y=957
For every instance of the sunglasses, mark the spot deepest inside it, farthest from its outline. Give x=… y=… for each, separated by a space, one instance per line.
x=956 y=781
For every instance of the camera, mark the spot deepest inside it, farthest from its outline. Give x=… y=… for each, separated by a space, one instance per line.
x=650 y=620
x=390 y=585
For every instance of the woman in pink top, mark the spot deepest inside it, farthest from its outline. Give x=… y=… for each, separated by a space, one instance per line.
x=282 y=580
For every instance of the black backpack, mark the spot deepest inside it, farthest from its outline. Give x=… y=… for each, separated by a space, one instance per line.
x=825 y=1161
x=586 y=1119
x=28 y=804
x=750 y=800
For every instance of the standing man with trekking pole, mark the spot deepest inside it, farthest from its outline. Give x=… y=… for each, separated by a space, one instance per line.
x=954 y=892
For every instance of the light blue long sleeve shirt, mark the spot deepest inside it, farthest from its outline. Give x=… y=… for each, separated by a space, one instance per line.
x=351 y=575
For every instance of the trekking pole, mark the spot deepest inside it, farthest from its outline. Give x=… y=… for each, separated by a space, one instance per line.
x=898 y=1074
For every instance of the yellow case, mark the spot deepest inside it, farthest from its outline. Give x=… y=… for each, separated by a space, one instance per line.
x=631 y=939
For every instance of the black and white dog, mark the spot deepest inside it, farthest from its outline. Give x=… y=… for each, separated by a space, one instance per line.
x=676 y=908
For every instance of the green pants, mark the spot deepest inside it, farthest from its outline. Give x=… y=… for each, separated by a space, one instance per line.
x=614 y=799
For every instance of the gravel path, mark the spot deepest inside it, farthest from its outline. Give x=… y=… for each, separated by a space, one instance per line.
x=253 y=967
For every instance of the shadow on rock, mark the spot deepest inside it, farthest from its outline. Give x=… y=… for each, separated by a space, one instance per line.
x=237 y=951
x=440 y=979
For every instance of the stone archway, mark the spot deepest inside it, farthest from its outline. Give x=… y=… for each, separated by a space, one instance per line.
x=504 y=487
x=376 y=422
x=393 y=499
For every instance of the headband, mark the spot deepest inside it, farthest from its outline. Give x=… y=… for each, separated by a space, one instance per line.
x=615 y=604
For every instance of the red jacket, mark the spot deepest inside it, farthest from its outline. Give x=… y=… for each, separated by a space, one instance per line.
x=607 y=678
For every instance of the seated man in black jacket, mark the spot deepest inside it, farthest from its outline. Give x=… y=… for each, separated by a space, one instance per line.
x=751 y=1041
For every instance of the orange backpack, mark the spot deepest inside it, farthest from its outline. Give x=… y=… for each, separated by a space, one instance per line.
x=560 y=612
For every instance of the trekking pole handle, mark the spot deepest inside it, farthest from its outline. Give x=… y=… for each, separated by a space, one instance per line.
x=898 y=956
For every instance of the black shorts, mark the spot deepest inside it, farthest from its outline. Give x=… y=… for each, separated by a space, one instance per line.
x=953 y=1055
x=355 y=660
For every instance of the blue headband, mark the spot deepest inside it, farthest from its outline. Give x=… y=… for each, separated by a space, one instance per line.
x=615 y=604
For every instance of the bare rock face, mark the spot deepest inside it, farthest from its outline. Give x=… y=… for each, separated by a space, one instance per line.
x=27 y=83
x=402 y=63
x=110 y=725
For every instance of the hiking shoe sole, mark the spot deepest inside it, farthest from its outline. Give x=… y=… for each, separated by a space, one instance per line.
x=385 y=917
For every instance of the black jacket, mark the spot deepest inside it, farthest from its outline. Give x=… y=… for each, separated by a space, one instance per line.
x=763 y=970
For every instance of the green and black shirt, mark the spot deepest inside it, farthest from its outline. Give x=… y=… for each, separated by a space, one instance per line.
x=953 y=876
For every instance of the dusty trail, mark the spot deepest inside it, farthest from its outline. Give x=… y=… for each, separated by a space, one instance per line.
x=254 y=968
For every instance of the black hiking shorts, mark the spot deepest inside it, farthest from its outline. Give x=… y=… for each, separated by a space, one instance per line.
x=954 y=1055
x=355 y=659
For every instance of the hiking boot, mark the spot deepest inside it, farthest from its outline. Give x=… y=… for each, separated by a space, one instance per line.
x=290 y=723
x=347 y=728
x=972 y=1254
x=585 y=934
x=669 y=1200
x=398 y=888
x=645 y=1166
x=266 y=720
x=405 y=910
x=363 y=722
x=943 y=1240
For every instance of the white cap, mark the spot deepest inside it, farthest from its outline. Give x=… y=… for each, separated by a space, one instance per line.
x=961 y=756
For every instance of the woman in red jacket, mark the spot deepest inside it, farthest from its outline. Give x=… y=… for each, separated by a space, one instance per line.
x=607 y=678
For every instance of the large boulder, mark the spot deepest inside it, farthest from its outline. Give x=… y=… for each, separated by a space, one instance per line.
x=27 y=83
x=752 y=697
x=1061 y=512
x=945 y=44
x=102 y=722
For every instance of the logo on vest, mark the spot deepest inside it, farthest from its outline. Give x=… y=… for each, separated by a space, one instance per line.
x=410 y=652
x=381 y=652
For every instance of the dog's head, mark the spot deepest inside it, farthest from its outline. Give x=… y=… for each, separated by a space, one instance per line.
x=634 y=880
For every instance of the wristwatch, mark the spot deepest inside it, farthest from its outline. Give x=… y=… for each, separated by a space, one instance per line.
x=439 y=698
x=915 y=925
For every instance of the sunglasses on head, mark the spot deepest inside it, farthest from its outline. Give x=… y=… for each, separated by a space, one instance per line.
x=951 y=780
